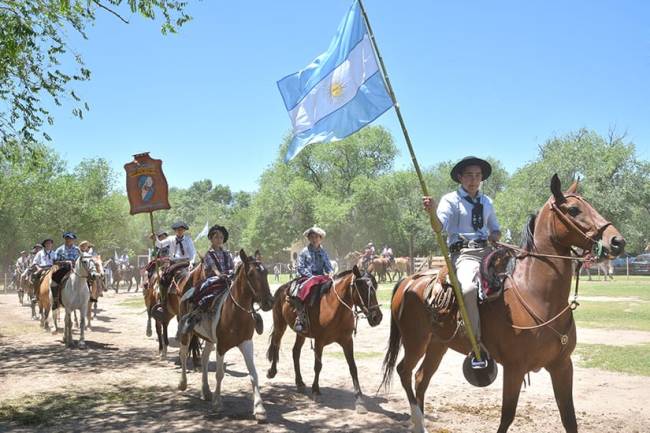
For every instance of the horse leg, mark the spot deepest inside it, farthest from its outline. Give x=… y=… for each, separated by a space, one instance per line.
x=297 y=347
x=182 y=354
x=273 y=352
x=148 y=331
x=246 y=349
x=67 y=332
x=512 y=380
x=220 y=373
x=160 y=339
x=55 y=320
x=205 y=360
x=82 y=329
x=428 y=367
x=76 y=321
x=348 y=351
x=405 y=372
x=318 y=365
x=562 y=378
x=165 y=340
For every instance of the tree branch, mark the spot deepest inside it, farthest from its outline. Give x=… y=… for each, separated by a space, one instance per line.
x=111 y=11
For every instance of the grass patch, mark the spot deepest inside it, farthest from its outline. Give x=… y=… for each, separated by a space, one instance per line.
x=49 y=409
x=623 y=359
x=614 y=315
x=636 y=286
x=284 y=278
x=357 y=355
x=132 y=302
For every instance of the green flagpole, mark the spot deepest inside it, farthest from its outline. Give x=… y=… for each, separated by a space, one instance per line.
x=433 y=218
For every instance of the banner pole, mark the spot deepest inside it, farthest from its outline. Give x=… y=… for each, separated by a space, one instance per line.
x=433 y=218
x=162 y=295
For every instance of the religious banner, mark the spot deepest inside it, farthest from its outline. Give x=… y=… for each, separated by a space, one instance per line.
x=146 y=185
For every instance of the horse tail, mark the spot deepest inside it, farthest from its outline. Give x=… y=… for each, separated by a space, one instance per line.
x=273 y=352
x=394 y=343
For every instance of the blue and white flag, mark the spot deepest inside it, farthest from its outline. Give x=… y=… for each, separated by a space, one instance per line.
x=203 y=233
x=338 y=93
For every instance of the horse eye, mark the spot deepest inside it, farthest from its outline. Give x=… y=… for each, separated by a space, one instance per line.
x=574 y=211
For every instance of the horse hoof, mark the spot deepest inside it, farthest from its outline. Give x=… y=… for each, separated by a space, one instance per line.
x=260 y=416
x=271 y=373
x=316 y=397
x=206 y=395
x=360 y=408
x=182 y=385
x=300 y=387
x=82 y=345
x=148 y=332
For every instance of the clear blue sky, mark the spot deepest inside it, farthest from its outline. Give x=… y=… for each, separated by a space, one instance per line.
x=483 y=78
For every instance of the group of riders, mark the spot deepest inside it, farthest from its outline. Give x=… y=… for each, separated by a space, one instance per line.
x=33 y=266
x=466 y=214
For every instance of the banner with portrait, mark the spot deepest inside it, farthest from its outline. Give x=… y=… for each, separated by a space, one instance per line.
x=146 y=185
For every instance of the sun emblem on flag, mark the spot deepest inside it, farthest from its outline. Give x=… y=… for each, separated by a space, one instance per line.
x=336 y=89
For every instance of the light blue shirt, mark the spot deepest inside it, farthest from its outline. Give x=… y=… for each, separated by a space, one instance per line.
x=64 y=253
x=313 y=261
x=455 y=214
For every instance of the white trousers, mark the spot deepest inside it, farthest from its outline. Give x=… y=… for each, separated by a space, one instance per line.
x=467 y=263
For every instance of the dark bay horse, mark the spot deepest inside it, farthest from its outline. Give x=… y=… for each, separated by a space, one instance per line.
x=330 y=321
x=234 y=329
x=530 y=327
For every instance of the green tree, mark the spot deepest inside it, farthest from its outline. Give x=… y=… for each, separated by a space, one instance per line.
x=33 y=46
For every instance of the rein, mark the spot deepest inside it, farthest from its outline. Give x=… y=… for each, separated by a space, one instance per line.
x=249 y=286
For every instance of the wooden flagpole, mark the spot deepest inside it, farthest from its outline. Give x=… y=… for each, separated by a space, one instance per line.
x=433 y=218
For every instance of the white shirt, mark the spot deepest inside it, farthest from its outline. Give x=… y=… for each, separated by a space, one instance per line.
x=175 y=252
x=455 y=214
x=44 y=258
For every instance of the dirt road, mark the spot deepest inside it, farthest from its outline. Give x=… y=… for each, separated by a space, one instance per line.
x=119 y=384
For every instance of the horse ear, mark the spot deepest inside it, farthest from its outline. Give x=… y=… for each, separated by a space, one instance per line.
x=355 y=269
x=242 y=255
x=574 y=186
x=556 y=189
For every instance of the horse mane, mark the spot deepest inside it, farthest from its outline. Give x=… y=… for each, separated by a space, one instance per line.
x=527 y=234
x=343 y=274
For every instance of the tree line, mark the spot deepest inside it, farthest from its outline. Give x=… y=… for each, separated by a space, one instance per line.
x=350 y=188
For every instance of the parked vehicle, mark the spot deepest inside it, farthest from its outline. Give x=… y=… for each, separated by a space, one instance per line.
x=640 y=265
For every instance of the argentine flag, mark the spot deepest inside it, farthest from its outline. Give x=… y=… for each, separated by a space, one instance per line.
x=338 y=93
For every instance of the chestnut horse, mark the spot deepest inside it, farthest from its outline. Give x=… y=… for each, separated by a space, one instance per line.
x=44 y=297
x=330 y=321
x=234 y=328
x=530 y=327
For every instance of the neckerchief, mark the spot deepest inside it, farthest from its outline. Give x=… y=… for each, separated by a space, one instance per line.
x=477 y=212
x=179 y=242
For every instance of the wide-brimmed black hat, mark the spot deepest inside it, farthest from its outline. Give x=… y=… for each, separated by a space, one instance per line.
x=486 y=168
x=180 y=225
x=69 y=235
x=47 y=240
x=217 y=228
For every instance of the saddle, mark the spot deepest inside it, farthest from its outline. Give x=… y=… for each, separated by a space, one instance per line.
x=439 y=294
x=172 y=272
x=210 y=290
x=310 y=289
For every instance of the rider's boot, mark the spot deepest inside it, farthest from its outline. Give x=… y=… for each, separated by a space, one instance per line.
x=301 y=316
x=54 y=287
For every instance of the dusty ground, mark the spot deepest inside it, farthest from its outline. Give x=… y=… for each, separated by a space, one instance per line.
x=118 y=384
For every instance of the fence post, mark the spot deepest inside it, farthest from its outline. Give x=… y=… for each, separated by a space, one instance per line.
x=627 y=267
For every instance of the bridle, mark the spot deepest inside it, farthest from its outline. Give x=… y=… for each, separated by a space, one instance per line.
x=594 y=237
x=365 y=307
x=249 y=286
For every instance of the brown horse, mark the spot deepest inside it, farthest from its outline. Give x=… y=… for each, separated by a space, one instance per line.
x=97 y=286
x=379 y=266
x=44 y=298
x=330 y=321
x=234 y=328
x=535 y=301
x=401 y=267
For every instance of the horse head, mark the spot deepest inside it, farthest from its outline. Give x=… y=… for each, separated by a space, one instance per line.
x=255 y=277
x=364 y=295
x=86 y=267
x=577 y=223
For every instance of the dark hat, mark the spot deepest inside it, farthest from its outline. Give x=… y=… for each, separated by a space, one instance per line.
x=180 y=225
x=486 y=168
x=162 y=232
x=217 y=228
x=69 y=235
x=47 y=240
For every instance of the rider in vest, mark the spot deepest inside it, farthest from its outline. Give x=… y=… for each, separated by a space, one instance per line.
x=219 y=269
x=468 y=217
x=368 y=255
x=64 y=257
x=181 y=253
x=312 y=260
x=43 y=260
